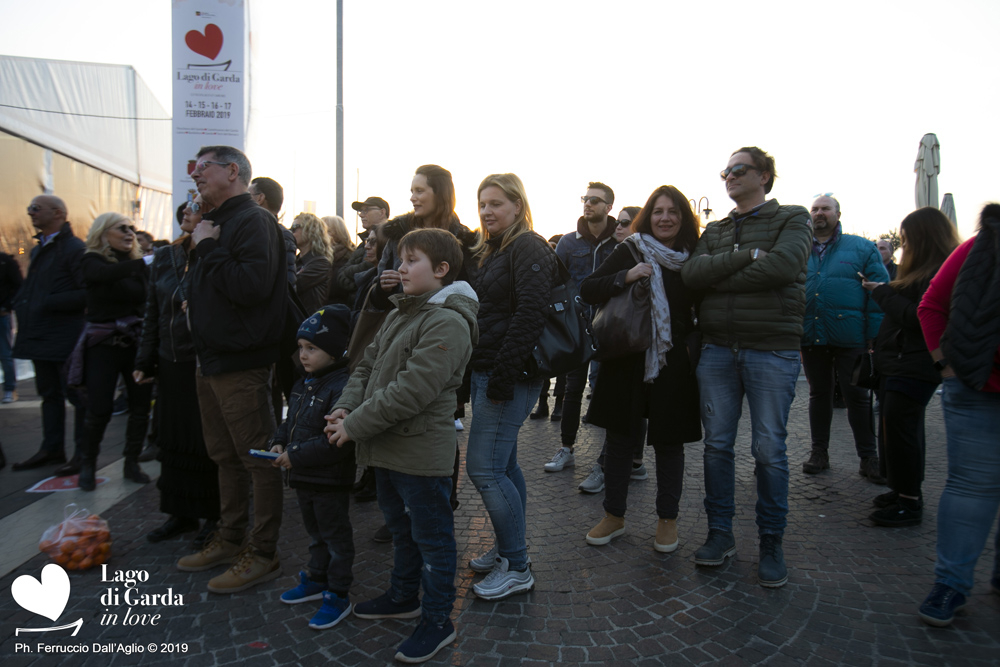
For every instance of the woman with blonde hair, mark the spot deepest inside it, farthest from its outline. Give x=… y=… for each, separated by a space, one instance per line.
x=516 y=275
x=342 y=247
x=115 y=275
x=312 y=265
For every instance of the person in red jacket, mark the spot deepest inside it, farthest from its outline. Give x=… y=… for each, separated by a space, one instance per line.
x=960 y=317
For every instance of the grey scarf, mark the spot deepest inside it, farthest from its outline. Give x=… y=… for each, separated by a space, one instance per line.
x=660 y=257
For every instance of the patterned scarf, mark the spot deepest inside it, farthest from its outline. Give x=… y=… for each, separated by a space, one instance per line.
x=660 y=257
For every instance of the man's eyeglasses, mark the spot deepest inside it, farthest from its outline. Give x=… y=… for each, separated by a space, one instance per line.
x=369 y=209
x=200 y=167
x=736 y=170
x=34 y=208
x=593 y=201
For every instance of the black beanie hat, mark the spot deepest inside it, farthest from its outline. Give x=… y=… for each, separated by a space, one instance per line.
x=328 y=329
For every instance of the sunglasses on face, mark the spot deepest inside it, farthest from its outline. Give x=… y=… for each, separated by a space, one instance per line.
x=124 y=229
x=34 y=208
x=624 y=223
x=736 y=170
x=593 y=201
x=194 y=207
x=200 y=167
x=295 y=227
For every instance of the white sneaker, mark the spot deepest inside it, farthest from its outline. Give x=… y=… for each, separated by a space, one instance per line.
x=563 y=458
x=458 y=425
x=639 y=473
x=9 y=396
x=594 y=482
x=502 y=582
x=486 y=562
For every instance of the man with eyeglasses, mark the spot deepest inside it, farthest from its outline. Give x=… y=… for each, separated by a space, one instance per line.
x=841 y=321
x=372 y=211
x=751 y=266
x=236 y=308
x=50 y=316
x=582 y=252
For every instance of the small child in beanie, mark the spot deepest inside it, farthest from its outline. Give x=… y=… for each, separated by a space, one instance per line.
x=321 y=474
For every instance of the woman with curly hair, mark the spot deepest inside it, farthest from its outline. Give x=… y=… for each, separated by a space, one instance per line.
x=312 y=265
x=115 y=276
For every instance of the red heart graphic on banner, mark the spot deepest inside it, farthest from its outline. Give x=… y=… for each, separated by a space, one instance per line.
x=208 y=44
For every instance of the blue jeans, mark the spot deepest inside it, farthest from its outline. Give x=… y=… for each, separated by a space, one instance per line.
x=971 y=495
x=418 y=513
x=6 y=360
x=767 y=378
x=491 y=461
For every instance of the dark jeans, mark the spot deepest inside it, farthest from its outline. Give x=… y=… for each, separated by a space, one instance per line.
x=419 y=516
x=102 y=365
x=50 y=383
x=576 y=380
x=819 y=363
x=326 y=517
x=904 y=403
x=618 y=469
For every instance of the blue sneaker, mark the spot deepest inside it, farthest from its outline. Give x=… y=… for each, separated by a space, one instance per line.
x=307 y=591
x=941 y=605
x=426 y=641
x=334 y=610
x=384 y=607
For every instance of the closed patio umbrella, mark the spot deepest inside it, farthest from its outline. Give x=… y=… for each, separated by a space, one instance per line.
x=948 y=208
x=927 y=167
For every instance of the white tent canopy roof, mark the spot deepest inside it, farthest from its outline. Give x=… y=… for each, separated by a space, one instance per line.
x=101 y=115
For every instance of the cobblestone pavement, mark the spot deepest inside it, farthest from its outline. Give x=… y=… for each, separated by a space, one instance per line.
x=851 y=596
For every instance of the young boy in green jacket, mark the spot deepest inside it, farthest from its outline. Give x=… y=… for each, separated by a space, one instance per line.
x=398 y=408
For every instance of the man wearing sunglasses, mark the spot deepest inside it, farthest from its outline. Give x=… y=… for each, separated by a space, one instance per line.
x=582 y=252
x=50 y=316
x=372 y=211
x=751 y=266
x=236 y=309
x=840 y=323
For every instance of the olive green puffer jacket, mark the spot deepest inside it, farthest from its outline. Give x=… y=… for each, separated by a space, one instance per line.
x=757 y=305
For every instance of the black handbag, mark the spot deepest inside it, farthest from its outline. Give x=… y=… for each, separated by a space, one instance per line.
x=623 y=325
x=567 y=341
x=865 y=375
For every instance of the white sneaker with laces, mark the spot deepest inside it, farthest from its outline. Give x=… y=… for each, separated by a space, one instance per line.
x=639 y=473
x=563 y=458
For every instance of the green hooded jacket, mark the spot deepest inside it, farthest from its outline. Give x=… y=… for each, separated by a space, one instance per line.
x=401 y=397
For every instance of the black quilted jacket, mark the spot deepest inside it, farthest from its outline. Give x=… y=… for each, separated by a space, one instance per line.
x=509 y=328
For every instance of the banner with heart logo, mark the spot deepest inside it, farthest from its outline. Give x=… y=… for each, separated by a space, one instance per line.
x=209 y=38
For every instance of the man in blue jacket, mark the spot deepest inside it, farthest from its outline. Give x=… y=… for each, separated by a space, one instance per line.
x=840 y=322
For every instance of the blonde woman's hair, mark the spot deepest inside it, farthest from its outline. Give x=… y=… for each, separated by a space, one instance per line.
x=95 y=237
x=315 y=234
x=513 y=190
x=338 y=231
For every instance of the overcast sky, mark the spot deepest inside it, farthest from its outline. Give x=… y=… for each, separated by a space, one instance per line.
x=635 y=94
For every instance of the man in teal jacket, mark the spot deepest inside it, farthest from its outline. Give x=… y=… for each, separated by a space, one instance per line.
x=840 y=321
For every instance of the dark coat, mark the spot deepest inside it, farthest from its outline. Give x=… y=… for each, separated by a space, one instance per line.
x=115 y=290
x=511 y=324
x=165 y=333
x=335 y=293
x=314 y=460
x=239 y=289
x=621 y=398
x=312 y=279
x=396 y=229
x=50 y=305
x=900 y=350
x=10 y=281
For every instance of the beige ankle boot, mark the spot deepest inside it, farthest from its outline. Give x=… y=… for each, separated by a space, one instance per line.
x=610 y=527
x=666 y=536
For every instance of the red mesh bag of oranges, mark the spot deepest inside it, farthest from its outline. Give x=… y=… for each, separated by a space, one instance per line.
x=80 y=542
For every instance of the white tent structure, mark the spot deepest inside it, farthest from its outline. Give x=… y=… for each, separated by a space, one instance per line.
x=92 y=134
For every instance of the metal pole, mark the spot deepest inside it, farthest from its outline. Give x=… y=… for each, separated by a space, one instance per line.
x=340 y=108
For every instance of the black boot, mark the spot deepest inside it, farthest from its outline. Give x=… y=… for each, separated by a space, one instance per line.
x=135 y=435
x=542 y=411
x=557 y=410
x=88 y=474
x=133 y=472
x=88 y=449
x=69 y=468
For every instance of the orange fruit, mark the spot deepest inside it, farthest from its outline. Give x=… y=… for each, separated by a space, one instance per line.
x=86 y=563
x=72 y=565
